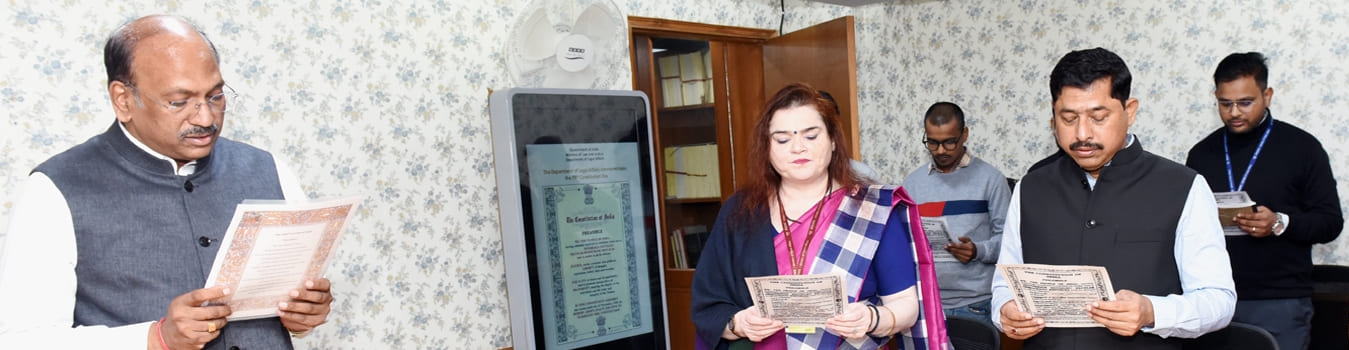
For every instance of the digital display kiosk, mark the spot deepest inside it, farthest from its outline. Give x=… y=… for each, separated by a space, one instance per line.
x=578 y=219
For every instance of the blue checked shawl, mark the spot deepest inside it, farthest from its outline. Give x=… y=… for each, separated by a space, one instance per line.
x=848 y=248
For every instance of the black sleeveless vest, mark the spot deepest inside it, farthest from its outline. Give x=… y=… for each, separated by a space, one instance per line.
x=1127 y=224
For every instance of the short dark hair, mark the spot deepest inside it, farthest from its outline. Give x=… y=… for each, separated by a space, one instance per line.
x=117 y=51
x=941 y=113
x=1081 y=68
x=1241 y=65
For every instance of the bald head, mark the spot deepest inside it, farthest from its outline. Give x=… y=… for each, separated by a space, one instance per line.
x=120 y=50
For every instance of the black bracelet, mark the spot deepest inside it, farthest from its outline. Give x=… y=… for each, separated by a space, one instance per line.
x=876 y=318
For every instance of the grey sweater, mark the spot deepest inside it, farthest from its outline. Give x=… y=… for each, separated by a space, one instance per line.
x=974 y=200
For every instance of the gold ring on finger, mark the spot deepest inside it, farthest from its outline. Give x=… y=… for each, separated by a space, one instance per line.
x=210 y=327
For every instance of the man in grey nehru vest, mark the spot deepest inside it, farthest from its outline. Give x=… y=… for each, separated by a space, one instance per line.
x=111 y=241
x=1151 y=222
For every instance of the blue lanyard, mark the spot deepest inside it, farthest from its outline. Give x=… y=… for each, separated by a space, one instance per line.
x=1228 y=156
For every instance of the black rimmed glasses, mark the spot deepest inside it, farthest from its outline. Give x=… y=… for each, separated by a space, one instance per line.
x=933 y=145
x=215 y=103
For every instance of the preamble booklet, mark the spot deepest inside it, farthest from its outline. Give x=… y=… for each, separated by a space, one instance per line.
x=273 y=247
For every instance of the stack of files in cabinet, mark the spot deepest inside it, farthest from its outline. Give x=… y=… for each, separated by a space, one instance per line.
x=686 y=79
x=692 y=171
x=677 y=257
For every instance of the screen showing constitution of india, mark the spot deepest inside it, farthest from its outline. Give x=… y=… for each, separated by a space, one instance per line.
x=587 y=221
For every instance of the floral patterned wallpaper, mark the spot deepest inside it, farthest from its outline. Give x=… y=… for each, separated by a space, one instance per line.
x=382 y=98
x=993 y=58
x=389 y=99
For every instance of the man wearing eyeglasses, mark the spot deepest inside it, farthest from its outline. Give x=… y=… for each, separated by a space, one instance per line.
x=111 y=241
x=1287 y=173
x=965 y=198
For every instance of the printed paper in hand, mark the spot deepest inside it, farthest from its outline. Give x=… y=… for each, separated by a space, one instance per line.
x=1229 y=204
x=938 y=233
x=1058 y=294
x=798 y=300
x=272 y=247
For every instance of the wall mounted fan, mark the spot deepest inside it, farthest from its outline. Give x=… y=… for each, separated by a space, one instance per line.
x=578 y=44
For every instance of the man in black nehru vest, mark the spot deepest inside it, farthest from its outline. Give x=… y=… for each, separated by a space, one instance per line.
x=1151 y=222
x=1287 y=173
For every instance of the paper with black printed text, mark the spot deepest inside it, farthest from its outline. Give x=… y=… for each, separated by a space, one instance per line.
x=1059 y=294
x=938 y=232
x=798 y=300
x=1229 y=204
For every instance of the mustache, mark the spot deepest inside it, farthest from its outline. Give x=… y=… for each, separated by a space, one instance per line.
x=1081 y=144
x=200 y=130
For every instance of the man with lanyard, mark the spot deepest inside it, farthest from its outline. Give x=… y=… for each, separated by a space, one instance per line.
x=1294 y=190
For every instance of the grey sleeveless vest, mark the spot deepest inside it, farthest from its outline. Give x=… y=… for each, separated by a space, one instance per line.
x=1127 y=224
x=146 y=235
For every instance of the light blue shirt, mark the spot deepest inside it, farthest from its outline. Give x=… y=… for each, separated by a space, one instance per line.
x=1209 y=296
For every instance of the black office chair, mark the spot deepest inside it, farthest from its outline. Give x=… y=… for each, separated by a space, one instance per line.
x=968 y=333
x=1331 y=303
x=1237 y=336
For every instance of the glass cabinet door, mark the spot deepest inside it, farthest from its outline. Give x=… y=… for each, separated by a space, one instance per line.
x=688 y=153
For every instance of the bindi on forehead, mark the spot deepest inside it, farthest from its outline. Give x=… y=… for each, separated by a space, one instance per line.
x=795 y=132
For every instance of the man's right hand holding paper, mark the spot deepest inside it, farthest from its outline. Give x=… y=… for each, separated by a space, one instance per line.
x=188 y=324
x=1019 y=324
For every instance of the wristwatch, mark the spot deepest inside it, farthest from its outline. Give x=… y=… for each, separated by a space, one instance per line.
x=1280 y=224
x=730 y=326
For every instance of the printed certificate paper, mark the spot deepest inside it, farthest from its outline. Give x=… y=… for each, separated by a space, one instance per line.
x=591 y=255
x=798 y=300
x=1058 y=294
x=938 y=233
x=1229 y=204
x=272 y=247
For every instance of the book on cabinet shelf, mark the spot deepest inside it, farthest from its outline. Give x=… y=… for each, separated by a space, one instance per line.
x=694 y=237
x=691 y=171
x=686 y=246
x=677 y=258
x=686 y=79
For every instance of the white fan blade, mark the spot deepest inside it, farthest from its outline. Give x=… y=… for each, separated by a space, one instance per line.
x=558 y=78
x=598 y=24
x=536 y=37
x=523 y=67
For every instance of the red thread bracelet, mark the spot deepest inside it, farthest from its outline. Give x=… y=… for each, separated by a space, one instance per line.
x=159 y=329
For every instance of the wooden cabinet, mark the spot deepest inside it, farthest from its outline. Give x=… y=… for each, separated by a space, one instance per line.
x=746 y=66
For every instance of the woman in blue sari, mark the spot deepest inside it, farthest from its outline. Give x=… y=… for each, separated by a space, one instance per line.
x=804 y=213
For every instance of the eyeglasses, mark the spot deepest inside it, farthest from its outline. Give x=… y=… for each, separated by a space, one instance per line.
x=1244 y=105
x=950 y=143
x=216 y=103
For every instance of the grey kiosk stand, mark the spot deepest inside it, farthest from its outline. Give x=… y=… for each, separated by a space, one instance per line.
x=578 y=219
